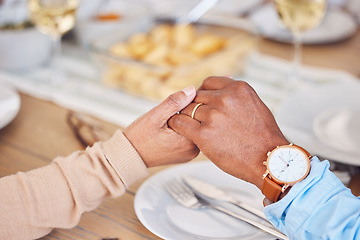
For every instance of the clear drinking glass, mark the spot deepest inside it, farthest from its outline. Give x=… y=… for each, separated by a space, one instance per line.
x=54 y=18
x=299 y=16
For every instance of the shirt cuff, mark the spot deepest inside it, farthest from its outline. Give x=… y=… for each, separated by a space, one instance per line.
x=319 y=183
x=123 y=157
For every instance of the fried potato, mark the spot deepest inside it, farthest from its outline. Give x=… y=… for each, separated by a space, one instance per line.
x=183 y=35
x=158 y=55
x=207 y=44
x=161 y=34
x=139 y=45
x=113 y=76
x=175 y=57
x=178 y=56
x=120 y=49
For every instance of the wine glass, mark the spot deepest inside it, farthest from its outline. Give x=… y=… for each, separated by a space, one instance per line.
x=54 y=18
x=299 y=16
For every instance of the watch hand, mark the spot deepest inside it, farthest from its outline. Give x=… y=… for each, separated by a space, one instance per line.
x=282 y=170
x=282 y=159
x=292 y=159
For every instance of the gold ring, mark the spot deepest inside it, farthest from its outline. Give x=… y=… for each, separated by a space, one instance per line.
x=194 y=110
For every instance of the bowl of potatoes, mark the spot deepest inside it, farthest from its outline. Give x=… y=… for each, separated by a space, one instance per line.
x=162 y=58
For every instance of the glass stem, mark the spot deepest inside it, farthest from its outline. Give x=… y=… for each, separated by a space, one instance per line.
x=295 y=76
x=57 y=72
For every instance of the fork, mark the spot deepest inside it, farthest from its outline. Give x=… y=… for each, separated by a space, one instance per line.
x=187 y=198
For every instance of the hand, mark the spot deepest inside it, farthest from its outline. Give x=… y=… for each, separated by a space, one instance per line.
x=156 y=143
x=233 y=128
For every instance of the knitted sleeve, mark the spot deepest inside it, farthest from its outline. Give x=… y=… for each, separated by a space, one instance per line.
x=55 y=196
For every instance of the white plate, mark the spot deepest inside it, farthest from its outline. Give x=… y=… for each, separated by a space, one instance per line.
x=336 y=25
x=297 y=114
x=9 y=105
x=87 y=29
x=234 y=7
x=339 y=127
x=164 y=217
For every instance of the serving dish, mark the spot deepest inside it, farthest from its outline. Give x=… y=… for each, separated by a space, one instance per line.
x=155 y=77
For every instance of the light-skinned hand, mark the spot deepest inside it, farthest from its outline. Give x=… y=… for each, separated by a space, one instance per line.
x=156 y=143
x=233 y=128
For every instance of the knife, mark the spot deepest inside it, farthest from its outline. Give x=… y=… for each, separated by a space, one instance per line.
x=210 y=191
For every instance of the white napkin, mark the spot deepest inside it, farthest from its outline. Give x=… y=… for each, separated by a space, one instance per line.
x=81 y=92
x=268 y=75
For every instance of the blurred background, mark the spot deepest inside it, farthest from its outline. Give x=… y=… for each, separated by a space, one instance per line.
x=72 y=72
x=116 y=59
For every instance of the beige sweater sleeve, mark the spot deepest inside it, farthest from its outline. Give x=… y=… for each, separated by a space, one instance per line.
x=55 y=196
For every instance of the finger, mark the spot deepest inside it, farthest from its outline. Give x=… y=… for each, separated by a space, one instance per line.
x=214 y=83
x=171 y=105
x=206 y=96
x=200 y=112
x=185 y=126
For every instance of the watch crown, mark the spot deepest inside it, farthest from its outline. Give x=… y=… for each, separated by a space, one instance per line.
x=264 y=163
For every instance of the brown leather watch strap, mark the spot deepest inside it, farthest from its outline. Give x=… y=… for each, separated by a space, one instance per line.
x=306 y=152
x=271 y=190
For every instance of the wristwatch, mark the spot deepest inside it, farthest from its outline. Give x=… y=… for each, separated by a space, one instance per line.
x=286 y=165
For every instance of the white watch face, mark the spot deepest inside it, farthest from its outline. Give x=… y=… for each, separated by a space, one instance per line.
x=288 y=164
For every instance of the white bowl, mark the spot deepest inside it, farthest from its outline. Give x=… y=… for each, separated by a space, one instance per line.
x=23 y=49
x=88 y=27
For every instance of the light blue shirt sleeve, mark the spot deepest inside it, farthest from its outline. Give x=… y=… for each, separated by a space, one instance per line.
x=319 y=207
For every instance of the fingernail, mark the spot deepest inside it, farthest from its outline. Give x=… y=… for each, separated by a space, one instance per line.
x=228 y=76
x=189 y=90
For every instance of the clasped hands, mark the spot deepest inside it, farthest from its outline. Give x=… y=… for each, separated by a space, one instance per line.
x=231 y=126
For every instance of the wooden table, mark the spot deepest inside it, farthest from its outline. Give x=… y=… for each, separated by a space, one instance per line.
x=39 y=133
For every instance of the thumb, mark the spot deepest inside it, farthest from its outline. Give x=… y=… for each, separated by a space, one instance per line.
x=173 y=104
x=185 y=126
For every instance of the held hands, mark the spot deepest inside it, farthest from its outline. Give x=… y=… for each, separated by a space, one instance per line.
x=156 y=143
x=233 y=127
